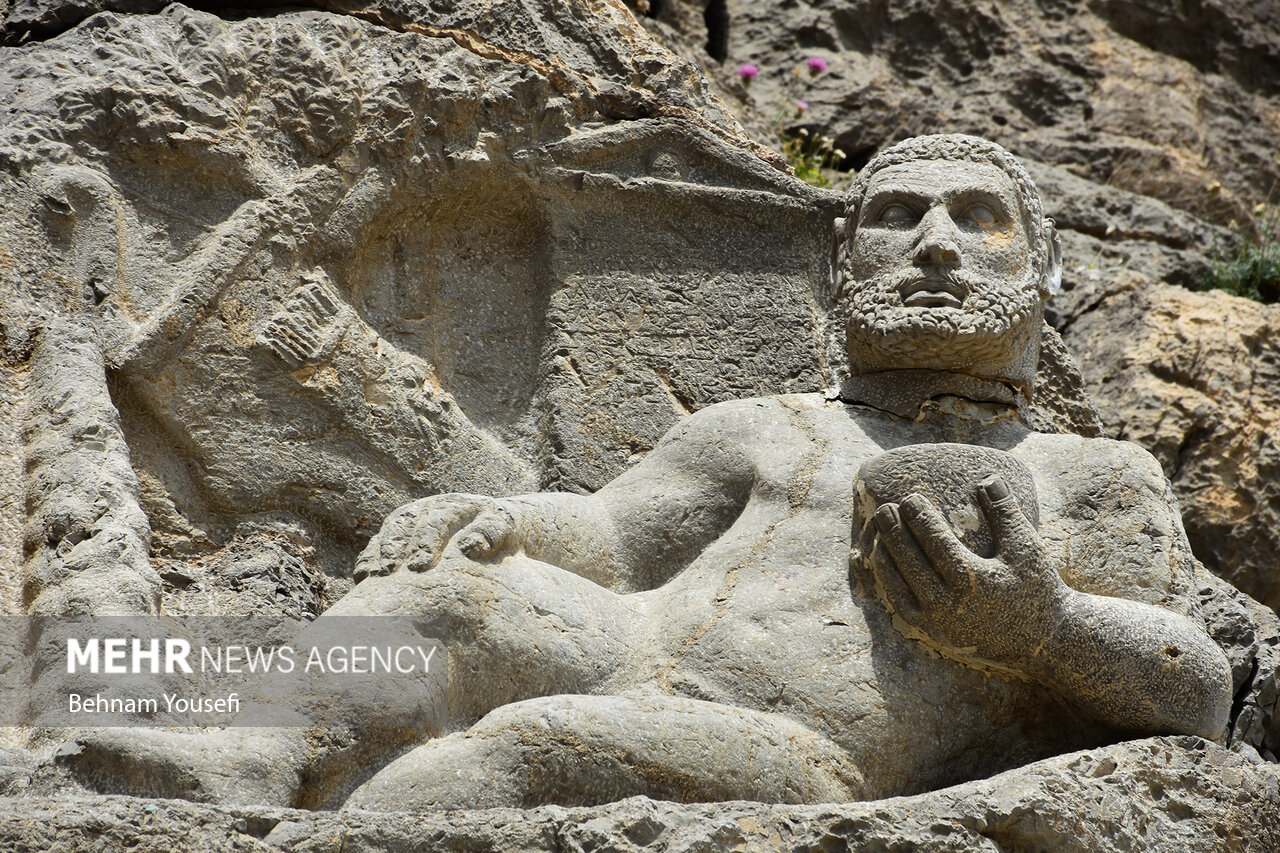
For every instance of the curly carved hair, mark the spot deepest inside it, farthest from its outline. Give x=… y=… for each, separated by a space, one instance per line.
x=1041 y=233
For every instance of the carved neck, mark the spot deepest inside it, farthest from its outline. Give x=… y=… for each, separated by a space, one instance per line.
x=905 y=393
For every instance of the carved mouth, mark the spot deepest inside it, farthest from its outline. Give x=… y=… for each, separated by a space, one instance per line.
x=934 y=293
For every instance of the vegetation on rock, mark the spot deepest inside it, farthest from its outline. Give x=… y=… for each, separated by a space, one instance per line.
x=1252 y=268
x=813 y=155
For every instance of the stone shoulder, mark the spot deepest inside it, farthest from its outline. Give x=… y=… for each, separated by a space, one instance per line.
x=729 y=441
x=745 y=419
x=1103 y=477
x=773 y=402
x=1098 y=455
x=1120 y=518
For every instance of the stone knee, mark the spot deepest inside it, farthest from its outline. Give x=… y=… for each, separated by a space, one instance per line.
x=510 y=630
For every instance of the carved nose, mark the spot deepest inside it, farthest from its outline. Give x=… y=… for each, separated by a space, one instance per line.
x=937 y=246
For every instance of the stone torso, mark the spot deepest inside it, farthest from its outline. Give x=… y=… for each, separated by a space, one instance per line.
x=775 y=616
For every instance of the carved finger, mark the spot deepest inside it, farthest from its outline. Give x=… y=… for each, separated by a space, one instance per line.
x=897 y=594
x=487 y=535
x=430 y=531
x=421 y=559
x=390 y=547
x=374 y=560
x=946 y=553
x=388 y=544
x=436 y=528
x=367 y=564
x=867 y=538
x=1010 y=528
x=907 y=556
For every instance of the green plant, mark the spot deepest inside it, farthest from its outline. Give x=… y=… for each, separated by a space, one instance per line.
x=1252 y=268
x=814 y=158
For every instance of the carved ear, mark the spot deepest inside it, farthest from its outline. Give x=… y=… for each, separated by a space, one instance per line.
x=839 y=254
x=1051 y=278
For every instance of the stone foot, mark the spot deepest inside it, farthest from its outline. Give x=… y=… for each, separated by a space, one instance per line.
x=239 y=765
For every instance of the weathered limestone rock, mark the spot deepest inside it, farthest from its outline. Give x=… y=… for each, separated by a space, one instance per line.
x=628 y=642
x=272 y=211
x=1249 y=634
x=1195 y=377
x=87 y=538
x=1147 y=128
x=1163 y=795
x=1100 y=88
x=320 y=222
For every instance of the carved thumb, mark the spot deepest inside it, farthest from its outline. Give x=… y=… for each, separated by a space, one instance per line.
x=1051 y=277
x=1010 y=527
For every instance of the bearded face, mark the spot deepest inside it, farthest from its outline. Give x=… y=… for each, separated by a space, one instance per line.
x=942 y=274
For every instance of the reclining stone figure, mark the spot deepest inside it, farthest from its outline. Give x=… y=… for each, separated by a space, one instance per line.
x=800 y=598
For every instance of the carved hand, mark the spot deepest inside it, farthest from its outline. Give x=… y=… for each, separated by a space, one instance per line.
x=1000 y=609
x=414 y=536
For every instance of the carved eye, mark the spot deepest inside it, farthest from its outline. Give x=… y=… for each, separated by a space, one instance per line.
x=897 y=216
x=982 y=216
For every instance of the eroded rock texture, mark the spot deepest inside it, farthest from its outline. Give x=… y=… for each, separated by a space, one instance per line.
x=1156 y=102
x=1163 y=794
x=335 y=266
x=1194 y=377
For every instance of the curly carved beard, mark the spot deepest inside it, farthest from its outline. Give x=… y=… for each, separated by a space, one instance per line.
x=993 y=328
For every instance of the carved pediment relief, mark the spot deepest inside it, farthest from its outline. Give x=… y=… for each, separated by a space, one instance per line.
x=668 y=153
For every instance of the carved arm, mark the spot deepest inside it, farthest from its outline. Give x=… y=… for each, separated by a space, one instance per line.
x=1130 y=665
x=636 y=533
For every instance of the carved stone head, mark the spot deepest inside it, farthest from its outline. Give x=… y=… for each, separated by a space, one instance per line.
x=948 y=262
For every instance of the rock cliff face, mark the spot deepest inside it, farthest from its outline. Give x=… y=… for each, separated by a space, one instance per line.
x=266 y=276
x=1194 y=378
x=333 y=265
x=1158 y=795
x=1147 y=129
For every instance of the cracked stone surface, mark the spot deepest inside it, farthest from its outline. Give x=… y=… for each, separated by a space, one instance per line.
x=1196 y=378
x=1165 y=794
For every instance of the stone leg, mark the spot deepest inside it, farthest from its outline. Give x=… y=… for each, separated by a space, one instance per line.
x=504 y=631
x=587 y=750
x=512 y=629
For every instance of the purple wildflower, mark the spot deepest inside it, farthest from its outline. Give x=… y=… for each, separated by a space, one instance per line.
x=801 y=106
x=748 y=72
x=817 y=65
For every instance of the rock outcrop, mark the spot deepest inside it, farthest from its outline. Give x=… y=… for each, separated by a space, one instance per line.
x=1158 y=795
x=1195 y=377
x=336 y=264
x=1167 y=104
